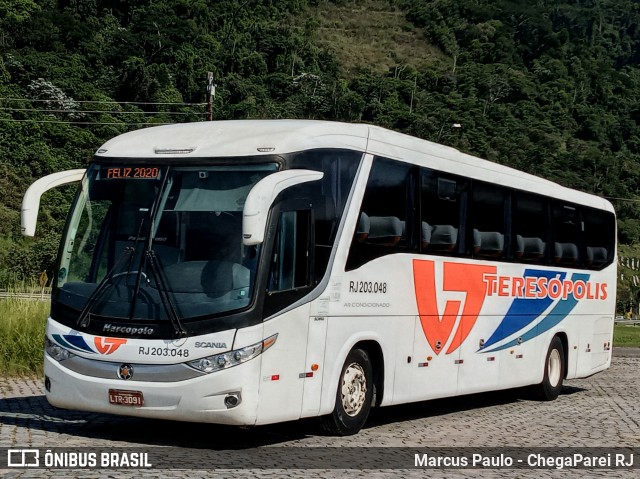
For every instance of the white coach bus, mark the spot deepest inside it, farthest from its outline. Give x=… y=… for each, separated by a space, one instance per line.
x=250 y=272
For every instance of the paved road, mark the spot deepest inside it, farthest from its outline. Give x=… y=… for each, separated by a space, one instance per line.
x=601 y=411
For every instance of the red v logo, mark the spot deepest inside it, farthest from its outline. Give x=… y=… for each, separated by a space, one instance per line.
x=466 y=278
x=108 y=345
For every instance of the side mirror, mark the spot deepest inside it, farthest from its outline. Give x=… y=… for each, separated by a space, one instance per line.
x=262 y=196
x=31 y=199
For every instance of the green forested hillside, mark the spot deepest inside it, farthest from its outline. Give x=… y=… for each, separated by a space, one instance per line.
x=550 y=86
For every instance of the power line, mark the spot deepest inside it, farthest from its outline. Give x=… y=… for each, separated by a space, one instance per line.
x=104 y=111
x=112 y=102
x=11 y=120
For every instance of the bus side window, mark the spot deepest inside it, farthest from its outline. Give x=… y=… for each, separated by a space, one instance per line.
x=598 y=237
x=442 y=210
x=489 y=206
x=385 y=219
x=530 y=226
x=567 y=229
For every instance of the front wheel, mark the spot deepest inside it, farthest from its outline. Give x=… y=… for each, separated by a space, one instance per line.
x=554 y=368
x=353 y=397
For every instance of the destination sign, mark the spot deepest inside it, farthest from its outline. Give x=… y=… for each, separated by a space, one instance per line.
x=129 y=172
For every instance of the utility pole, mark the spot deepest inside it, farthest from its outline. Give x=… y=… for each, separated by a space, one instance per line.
x=211 y=92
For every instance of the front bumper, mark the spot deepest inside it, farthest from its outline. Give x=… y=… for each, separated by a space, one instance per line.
x=201 y=399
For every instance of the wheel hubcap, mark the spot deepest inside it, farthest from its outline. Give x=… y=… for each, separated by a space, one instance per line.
x=554 y=368
x=354 y=389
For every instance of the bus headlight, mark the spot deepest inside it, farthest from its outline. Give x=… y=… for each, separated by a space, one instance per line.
x=55 y=351
x=229 y=359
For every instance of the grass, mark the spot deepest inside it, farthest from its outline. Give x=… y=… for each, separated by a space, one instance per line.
x=22 y=328
x=626 y=336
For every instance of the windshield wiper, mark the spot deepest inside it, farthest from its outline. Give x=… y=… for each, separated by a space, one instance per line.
x=163 y=291
x=156 y=266
x=84 y=318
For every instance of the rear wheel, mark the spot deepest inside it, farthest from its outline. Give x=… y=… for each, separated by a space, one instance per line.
x=353 y=396
x=554 y=368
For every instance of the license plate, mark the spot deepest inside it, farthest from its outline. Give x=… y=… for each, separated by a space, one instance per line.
x=126 y=398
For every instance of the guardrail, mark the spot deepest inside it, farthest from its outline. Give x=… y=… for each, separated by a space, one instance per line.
x=628 y=322
x=35 y=296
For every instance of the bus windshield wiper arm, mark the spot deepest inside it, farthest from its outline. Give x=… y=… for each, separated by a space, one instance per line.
x=154 y=262
x=84 y=318
x=163 y=291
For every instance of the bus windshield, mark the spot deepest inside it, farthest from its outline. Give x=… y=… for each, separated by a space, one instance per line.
x=158 y=243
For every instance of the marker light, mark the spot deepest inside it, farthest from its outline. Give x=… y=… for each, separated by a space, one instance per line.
x=229 y=359
x=56 y=352
x=173 y=151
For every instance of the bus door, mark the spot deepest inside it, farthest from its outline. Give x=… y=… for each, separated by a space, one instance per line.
x=289 y=280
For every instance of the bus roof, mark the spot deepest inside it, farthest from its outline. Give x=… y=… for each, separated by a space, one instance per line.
x=239 y=138
x=233 y=138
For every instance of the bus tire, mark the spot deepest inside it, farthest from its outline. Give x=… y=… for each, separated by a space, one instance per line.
x=354 y=396
x=554 y=368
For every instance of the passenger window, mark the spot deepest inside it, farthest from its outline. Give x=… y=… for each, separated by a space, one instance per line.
x=443 y=203
x=488 y=213
x=567 y=229
x=598 y=238
x=385 y=223
x=530 y=225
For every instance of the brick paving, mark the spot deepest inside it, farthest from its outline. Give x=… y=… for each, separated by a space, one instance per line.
x=601 y=411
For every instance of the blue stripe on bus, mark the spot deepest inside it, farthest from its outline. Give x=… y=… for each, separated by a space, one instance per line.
x=523 y=311
x=75 y=343
x=555 y=316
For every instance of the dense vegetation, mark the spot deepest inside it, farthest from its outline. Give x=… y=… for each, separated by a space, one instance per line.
x=551 y=86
